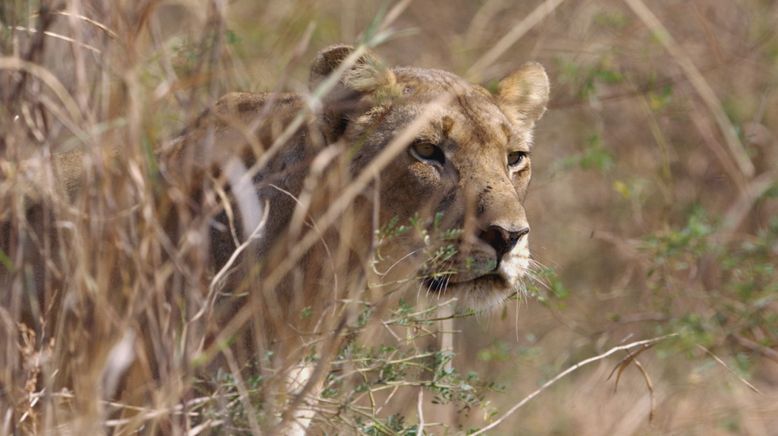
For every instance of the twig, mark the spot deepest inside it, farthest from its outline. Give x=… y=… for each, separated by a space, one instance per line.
x=625 y=362
x=699 y=84
x=731 y=371
x=510 y=38
x=743 y=205
x=58 y=36
x=719 y=150
x=753 y=346
x=525 y=400
x=47 y=77
x=389 y=397
x=243 y=394
x=45 y=20
x=207 y=425
x=650 y=387
x=420 y=411
x=217 y=279
x=91 y=21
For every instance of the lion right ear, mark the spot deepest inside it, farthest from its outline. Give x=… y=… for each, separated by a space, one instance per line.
x=364 y=84
x=366 y=74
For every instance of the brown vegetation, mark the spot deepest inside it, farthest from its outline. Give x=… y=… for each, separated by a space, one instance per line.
x=653 y=209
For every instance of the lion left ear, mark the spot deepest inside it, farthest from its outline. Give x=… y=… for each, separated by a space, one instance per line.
x=523 y=94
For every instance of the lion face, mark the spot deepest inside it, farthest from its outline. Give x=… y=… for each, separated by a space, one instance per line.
x=459 y=187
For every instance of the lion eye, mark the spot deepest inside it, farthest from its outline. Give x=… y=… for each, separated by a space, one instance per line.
x=515 y=158
x=426 y=152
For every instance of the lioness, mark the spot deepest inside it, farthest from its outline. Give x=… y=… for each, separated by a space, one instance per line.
x=384 y=178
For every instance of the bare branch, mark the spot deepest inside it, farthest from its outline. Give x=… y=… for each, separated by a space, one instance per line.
x=561 y=375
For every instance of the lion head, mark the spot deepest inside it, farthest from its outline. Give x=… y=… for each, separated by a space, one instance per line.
x=463 y=176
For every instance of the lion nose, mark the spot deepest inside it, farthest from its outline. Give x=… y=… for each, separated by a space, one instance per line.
x=502 y=240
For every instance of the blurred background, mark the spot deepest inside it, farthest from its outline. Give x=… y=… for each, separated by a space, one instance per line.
x=654 y=201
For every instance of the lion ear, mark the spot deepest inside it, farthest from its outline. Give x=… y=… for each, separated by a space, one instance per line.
x=523 y=94
x=366 y=74
x=364 y=84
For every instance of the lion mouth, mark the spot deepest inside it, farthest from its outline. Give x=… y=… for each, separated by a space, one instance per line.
x=447 y=283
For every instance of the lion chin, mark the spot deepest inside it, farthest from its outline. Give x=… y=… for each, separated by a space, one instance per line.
x=488 y=291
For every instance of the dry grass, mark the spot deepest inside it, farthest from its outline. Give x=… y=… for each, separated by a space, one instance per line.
x=653 y=203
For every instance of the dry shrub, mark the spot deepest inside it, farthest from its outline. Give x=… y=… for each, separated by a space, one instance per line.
x=655 y=204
